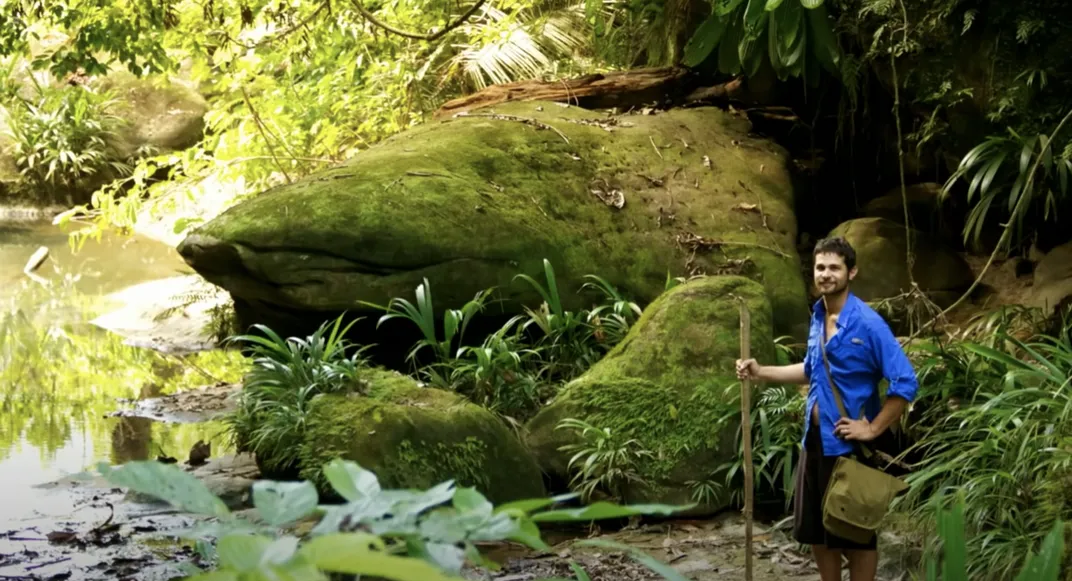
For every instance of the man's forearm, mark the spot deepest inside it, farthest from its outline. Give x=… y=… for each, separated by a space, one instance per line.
x=890 y=413
x=783 y=373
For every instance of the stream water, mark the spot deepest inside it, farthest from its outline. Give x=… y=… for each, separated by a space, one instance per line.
x=60 y=377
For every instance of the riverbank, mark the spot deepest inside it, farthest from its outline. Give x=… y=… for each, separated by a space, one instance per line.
x=93 y=531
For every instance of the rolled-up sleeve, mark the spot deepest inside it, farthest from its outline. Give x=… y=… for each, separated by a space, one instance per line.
x=893 y=361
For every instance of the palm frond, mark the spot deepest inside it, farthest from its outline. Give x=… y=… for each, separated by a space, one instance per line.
x=520 y=45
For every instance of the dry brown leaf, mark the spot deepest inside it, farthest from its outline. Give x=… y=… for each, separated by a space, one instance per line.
x=614 y=198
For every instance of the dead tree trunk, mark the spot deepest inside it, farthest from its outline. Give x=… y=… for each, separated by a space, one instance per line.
x=658 y=87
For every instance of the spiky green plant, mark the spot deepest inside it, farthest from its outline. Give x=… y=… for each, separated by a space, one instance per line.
x=567 y=336
x=285 y=376
x=601 y=461
x=422 y=314
x=1016 y=176
x=64 y=139
x=996 y=425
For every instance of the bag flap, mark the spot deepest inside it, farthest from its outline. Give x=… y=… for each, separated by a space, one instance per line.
x=859 y=494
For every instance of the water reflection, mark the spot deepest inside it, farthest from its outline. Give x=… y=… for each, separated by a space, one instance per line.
x=60 y=377
x=112 y=263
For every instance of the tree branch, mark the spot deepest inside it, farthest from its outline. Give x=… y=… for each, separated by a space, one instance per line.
x=435 y=35
x=264 y=134
x=303 y=23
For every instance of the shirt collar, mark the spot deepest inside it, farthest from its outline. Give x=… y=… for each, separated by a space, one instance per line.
x=847 y=312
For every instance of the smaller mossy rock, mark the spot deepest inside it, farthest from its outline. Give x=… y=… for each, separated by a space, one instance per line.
x=880 y=246
x=416 y=437
x=1052 y=285
x=665 y=385
x=926 y=209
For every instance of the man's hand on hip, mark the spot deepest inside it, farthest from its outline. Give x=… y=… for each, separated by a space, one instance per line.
x=858 y=430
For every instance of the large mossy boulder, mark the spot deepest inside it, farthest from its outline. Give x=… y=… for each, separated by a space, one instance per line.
x=668 y=385
x=881 y=260
x=472 y=201
x=415 y=437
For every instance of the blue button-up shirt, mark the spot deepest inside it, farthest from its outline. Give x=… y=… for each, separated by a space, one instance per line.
x=861 y=353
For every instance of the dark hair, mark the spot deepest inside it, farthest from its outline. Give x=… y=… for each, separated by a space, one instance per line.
x=837 y=245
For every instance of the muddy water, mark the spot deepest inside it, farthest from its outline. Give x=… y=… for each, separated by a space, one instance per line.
x=49 y=428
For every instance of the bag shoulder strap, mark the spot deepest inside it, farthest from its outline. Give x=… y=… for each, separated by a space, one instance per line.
x=868 y=452
x=834 y=388
x=830 y=376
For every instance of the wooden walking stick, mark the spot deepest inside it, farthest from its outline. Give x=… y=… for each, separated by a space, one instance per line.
x=746 y=435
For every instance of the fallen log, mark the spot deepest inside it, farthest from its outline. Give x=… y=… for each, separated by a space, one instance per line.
x=666 y=86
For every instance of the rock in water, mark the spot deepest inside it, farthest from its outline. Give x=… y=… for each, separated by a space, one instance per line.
x=199 y=453
x=665 y=385
x=177 y=315
x=412 y=437
x=472 y=201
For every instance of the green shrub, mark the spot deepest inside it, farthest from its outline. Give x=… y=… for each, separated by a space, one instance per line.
x=995 y=425
x=286 y=374
x=404 y=535
x=63 y=140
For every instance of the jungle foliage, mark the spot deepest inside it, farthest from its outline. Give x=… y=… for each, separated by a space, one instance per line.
x=429 y=535
x=294 y=86
x=513 y=371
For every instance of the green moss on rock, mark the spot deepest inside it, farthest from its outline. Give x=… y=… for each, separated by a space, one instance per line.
x=470 y=202
x=416 y=437
x=665 y=385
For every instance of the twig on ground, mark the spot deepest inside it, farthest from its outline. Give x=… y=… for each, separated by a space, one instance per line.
x=655 y=147
x=42 y=565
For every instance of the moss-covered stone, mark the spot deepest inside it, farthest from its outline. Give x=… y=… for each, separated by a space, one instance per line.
x=880 y=246
x=1052 y=280
x=927 y=211
x=161 y=113
x=665 y=385
x=416 y=437
x=472 y=201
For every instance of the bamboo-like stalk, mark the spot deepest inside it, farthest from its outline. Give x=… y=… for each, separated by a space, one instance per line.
x=746 y=435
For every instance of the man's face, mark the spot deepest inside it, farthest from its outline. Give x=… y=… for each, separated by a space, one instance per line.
x=831 y=276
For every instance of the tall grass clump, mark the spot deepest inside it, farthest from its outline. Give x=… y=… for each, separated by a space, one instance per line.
x=63 y=139
x=515 y=369
x=284 y=377
x=995 y=426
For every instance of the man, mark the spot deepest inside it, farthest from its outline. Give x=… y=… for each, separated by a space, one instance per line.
x=861 y=350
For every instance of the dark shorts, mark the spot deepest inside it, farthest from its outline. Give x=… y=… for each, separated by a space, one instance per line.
x=813 y=473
